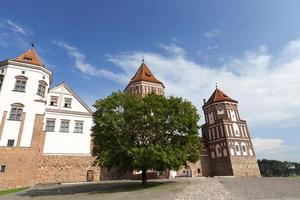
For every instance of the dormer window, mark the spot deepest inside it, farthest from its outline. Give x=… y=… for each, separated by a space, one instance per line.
x=53 y=101
x=20 y=83
x=68 y=103
x=27 y=59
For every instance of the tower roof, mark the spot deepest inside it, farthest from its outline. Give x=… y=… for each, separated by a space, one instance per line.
x=29 y=56
x=144 y=74
x=218 y=96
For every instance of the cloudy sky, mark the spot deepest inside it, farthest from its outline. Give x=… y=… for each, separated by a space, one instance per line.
x=250 y=48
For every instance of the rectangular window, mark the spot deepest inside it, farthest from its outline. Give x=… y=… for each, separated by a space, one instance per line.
x=15 y=113
x=41 y=90
x=64 y=126
x=78 y=127
x=20 y=85
x=68 y=103
x=10 y=143
x=50 y=125
x=1 y=81
x=2 y=168
x=53 y=101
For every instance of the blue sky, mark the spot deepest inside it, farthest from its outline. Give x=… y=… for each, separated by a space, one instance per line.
x=251 y=48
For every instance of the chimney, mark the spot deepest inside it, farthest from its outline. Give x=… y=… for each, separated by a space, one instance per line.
x=204 y=101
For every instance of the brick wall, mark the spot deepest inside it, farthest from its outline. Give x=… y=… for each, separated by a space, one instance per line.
x=65 y=168
x=245 y=166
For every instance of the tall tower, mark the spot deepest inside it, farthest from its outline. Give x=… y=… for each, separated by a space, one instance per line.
x=144 y=82
x=227 y=138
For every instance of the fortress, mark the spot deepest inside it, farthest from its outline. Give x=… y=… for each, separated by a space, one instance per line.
x=45 y=132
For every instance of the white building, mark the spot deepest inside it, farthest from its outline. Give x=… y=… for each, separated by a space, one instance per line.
x=40 y=127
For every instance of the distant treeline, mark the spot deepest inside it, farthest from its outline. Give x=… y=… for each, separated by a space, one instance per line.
x=269 y=168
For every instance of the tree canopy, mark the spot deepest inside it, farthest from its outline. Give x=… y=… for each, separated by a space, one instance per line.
x=154 y=132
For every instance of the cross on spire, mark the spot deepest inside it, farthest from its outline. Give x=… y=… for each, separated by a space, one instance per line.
x=216 y=85
x=143 y=60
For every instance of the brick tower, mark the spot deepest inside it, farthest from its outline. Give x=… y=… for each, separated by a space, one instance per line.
x=144 y=82
x=227 y=137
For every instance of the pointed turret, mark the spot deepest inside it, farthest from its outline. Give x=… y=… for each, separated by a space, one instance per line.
x=144 y=82
x=29 y=56
x=144 y=74
x=218 y=96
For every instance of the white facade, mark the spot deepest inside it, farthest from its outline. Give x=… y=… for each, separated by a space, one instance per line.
x=24 y=93
x=31 y=102
x=69 y=141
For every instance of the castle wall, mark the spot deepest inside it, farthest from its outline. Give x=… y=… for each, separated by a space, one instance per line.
x=245 y=166
x=65 y=168
x=20 y=162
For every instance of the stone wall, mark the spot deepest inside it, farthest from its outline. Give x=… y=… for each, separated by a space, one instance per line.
x=65 y=168
x=245 y=166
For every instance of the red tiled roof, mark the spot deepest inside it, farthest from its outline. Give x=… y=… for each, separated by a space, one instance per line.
x=29 y=56
x=144 y=74
x=218 y=96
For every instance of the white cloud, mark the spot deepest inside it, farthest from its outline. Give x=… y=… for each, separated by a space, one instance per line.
x=15 y=27
x=85 y=67
x=13 y=35
x=212 y=33
x=266 y=144
x=266 y=86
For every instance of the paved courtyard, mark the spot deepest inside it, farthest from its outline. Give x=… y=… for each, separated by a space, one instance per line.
x=179 y=189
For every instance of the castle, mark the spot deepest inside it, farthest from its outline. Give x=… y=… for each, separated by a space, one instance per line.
x=45 y=133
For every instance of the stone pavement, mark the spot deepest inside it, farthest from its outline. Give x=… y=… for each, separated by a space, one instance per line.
x=169 y=189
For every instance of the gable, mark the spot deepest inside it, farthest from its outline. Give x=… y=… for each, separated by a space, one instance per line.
x=63 y=91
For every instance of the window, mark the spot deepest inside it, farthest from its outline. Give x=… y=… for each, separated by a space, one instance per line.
x=20 y=83
x=10 y=143
x=2 y=168
x=78 y=127
x=244 y=148
x=237 y=148
x=20 y=86
x=41 y=90
x=64 y=126
x=68 y=102
x=53 y=101
x=50 y=125
x=1 y=80
x=15 y=113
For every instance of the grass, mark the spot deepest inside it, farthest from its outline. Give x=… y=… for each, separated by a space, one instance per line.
x=10 y=191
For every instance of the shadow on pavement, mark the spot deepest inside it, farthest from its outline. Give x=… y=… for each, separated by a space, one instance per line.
x=94 y=188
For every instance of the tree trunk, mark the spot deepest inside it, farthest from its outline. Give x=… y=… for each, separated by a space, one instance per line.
x=144 y=177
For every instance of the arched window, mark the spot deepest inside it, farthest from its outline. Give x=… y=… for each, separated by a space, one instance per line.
x=237 y=148
x=199 y=170
x=218 y=150
x=236 y=129
x=20 y=83
x=244 y=149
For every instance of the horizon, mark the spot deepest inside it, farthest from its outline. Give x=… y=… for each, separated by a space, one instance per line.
x=250 y=49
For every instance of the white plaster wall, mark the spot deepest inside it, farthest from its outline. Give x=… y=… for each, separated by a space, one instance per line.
x=61 y=92
x=68 y=143
x=31 y=107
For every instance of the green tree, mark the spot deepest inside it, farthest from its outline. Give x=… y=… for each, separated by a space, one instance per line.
x=154 y=132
